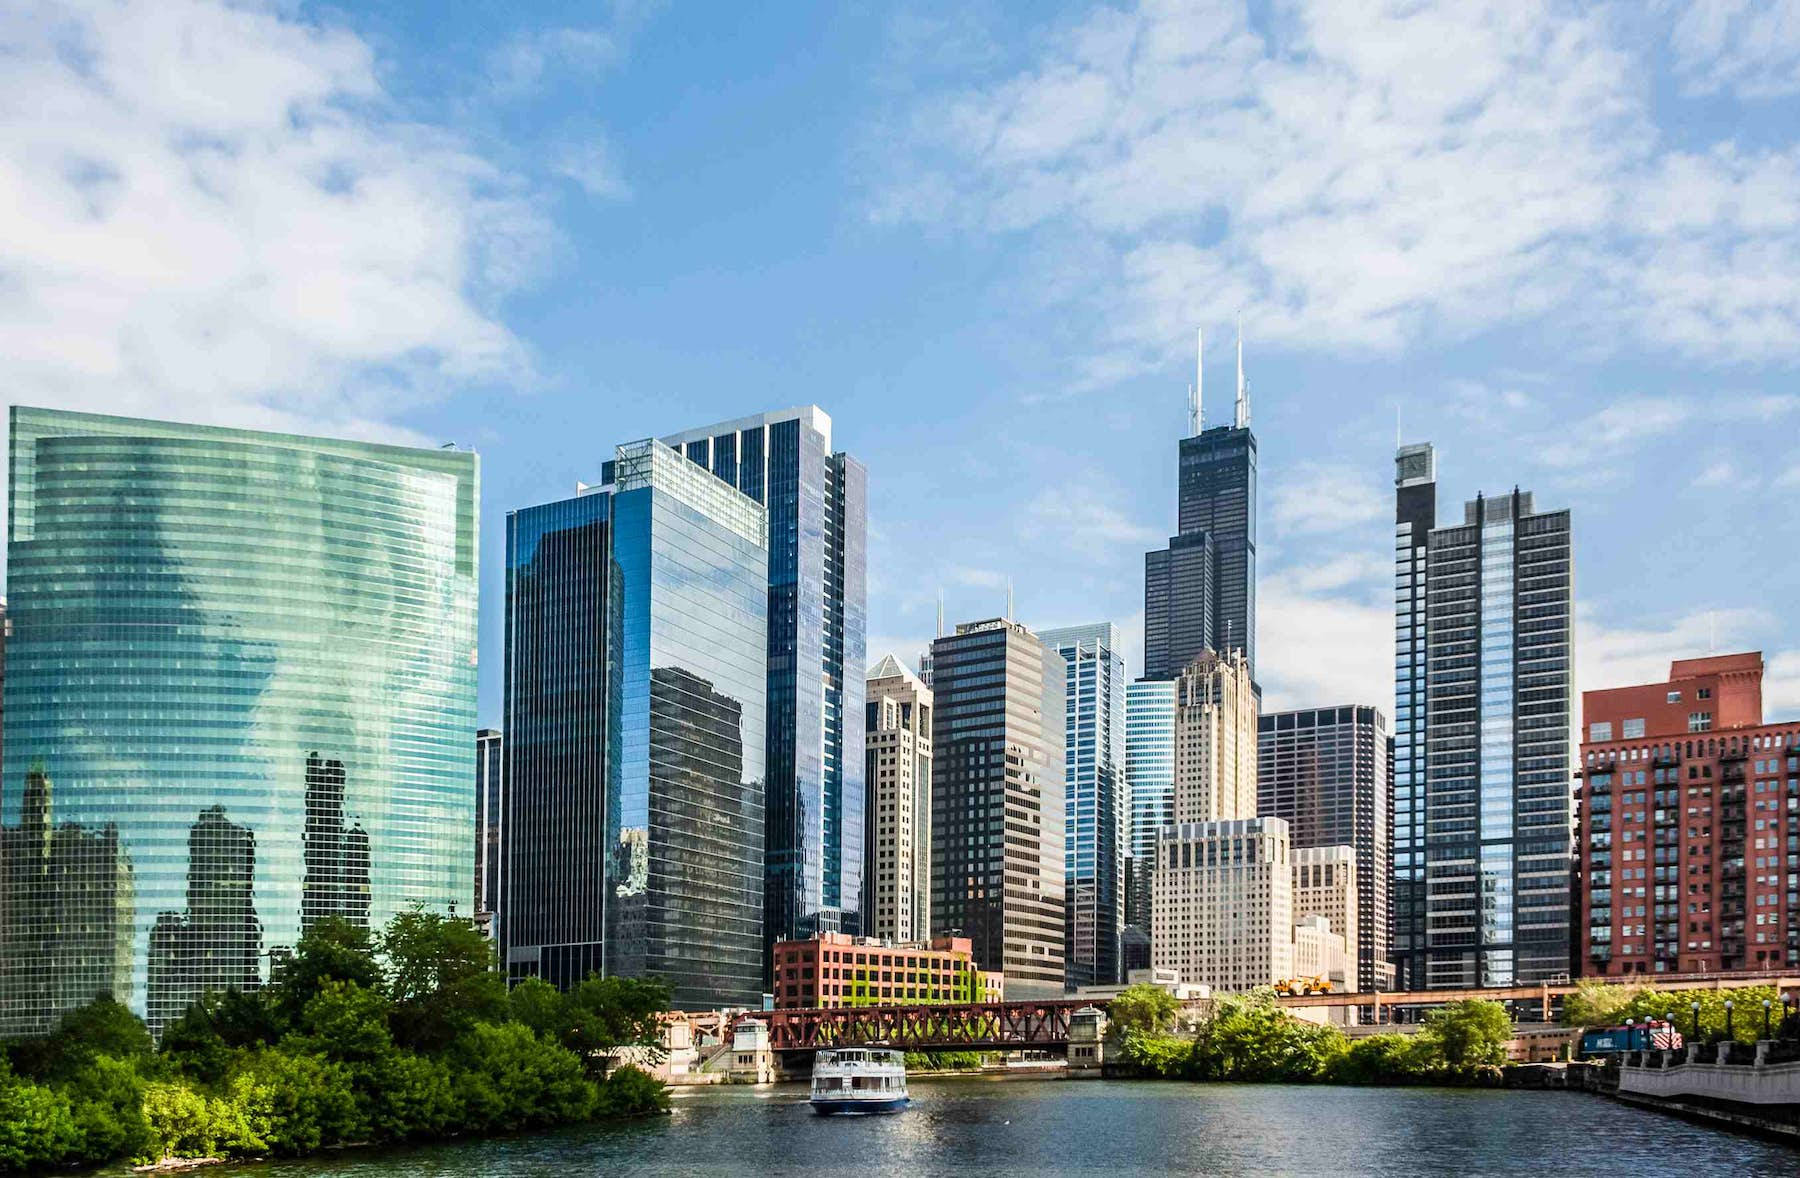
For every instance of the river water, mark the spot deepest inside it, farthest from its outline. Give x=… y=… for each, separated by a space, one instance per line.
x=1018 y=1126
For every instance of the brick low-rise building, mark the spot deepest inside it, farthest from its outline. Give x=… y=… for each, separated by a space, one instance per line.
x=1690 y=825
x=836 y=969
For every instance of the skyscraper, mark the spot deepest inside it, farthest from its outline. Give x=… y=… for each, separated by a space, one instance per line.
x=635 y=646
x=1223 y=914
x=1094 y=789
x=1327 y=884
x=997 y=809
x=1415 y=514
x=490 y=797
x=817 y=503
x=1200 y=591
x=1215 y=740
x=1496 y=677
x=897 y=875
x=1326 y=770
x=1150 y=781
x=243 y=627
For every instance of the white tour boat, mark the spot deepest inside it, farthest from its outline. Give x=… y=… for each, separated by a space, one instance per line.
x=859 y=1080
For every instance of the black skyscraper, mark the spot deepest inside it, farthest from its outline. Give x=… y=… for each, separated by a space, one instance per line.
x=1200 y=591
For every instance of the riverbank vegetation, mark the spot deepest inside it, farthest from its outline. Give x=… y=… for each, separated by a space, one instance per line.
x=1602 y=1004
x=406 y=1036
x=1249 y=1037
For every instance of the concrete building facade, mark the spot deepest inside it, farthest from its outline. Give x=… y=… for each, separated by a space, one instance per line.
x=897 y=845
x=1327 y=884
x=1222 y=914
x=1215 y=740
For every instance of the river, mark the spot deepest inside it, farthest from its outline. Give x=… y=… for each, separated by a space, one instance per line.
x=1035 y=1127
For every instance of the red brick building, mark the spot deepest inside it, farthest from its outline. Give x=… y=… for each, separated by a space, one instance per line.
x=1690 y=825
x=833 y=969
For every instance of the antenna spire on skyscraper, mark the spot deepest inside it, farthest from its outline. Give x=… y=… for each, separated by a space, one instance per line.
x=1243 y=388
x=1197 y=393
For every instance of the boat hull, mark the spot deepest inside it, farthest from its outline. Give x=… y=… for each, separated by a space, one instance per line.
x=828 y=1107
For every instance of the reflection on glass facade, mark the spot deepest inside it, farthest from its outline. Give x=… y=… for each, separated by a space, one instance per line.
x=1094 y=825
x=239 y=688
x=1200 y=591
x=1150 y=782
x=489 y=788
x=1486 y=608
x=818 y=526
x=632 y=830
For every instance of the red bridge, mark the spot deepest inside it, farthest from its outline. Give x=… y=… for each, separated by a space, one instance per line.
x=986 y=1026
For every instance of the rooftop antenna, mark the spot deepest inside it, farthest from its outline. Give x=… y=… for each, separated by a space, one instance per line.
x=940 y=632
x=1196 y=393
x=1243 y=390
x=1009 y=601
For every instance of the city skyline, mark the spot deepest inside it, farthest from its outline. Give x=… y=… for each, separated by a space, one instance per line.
x=568 y=312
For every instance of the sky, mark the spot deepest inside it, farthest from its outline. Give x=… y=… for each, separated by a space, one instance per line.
x=1560 y=241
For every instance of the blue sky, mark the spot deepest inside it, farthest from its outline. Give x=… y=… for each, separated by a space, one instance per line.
x=1562 y=241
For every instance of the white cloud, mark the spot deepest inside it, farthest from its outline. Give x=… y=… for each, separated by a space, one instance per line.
x=1751 y=47
x=1076 y=515
x=590 y=164
x=1317 y=648
x=1359 y=176
x=1327 y=499
x=1621 y=426
x=1781 y=685
x=214 y=212
x=1608 y=656
x=1718 y=474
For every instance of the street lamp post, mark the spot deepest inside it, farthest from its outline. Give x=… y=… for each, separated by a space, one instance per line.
x=1729 y=1033
x=1670 y=1019
x=1696 y=1022
x=1766 y=1005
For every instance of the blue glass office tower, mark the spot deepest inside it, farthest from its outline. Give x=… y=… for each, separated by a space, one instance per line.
x=636 y=632
x=239 y=693
x=1150 y=784
x=1095 y=815
x=818 y=525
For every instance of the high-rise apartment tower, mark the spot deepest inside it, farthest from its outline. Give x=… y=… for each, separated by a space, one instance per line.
x=897 y=875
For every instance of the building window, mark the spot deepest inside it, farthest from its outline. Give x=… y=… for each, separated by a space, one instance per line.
x=1674 y=697
x=1600 y=730
x=1700 y=721
x=1634 y=729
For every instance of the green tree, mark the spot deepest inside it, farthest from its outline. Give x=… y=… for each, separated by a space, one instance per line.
x=333 y=949
x=102 y=1027
x=1142 y=1007
x=1594 y=1003
x=507 y=1078
x=441 y=977
x=295 y=1103
x=345 y=1023
x=1471 y=1032
x=631 y=1092
x=193 y=1046
x=604 y=1014
x=106 y=1099
x=37 y=1126
x=539 y=1005
x=411 y=1096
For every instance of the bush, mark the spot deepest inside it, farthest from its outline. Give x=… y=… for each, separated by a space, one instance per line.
x=37 y=1127
x=632 y=1092
x=505 y=1077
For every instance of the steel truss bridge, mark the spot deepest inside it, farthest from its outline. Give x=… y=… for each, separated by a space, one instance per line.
x=980 y=1026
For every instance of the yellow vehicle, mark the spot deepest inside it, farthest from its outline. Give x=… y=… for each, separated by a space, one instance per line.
x=1295 y=987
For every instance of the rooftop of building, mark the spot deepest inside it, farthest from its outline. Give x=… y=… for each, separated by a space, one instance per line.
x=809 y=415
x=1715 y=664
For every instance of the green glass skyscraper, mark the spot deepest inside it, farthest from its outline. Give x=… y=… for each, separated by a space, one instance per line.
x=239 y=693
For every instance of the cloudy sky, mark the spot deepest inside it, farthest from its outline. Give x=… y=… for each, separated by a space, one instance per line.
x=1560 y=241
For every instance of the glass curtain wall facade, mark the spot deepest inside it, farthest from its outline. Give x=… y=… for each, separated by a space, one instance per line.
x=1498 y=806
x=636 y=640
x=1150 y=782
x=1094 y=775
x=239 y=694
x=997 y=822
x=1415 y=514
x=817 y=504
x=1200 y=591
